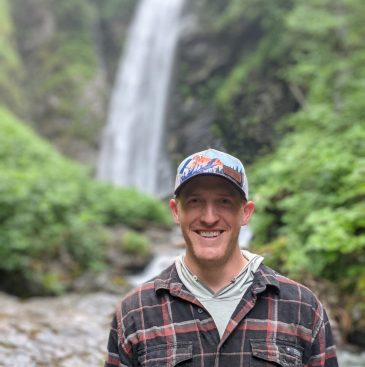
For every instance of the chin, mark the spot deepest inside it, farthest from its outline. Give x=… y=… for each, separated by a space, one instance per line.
x=209 y=259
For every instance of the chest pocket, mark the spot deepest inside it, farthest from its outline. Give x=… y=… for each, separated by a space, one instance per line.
x=275 y=353
x=166 y=355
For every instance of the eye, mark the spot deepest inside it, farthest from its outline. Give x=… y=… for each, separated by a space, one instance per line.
x=226 y=201
x=193 y=201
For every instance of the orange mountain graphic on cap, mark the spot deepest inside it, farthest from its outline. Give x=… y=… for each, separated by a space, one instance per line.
x=201 y=161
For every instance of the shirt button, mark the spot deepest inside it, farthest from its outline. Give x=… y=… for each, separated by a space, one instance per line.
x=200 y=310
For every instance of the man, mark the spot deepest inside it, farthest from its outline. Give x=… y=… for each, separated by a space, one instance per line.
x=217 y=305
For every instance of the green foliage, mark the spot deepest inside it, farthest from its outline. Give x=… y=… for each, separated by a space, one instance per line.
x=290 y=102
x=288 y=79
x=73 y=15
x=115 y=8
x=126 y=206
x=69 y=51
x=11 y=70
x=313 y=185
x=51 y=212
x=311 y=191
x=251 y=94
x=310 y=200
x=135 y=243
x=63 y=84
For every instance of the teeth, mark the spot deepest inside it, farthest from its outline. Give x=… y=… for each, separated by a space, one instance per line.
x=209 y=234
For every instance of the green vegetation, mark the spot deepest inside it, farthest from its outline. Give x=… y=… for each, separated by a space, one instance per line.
x=286 y=82
x=69 y=51
x=11 y=69
x=63 y=71
x=135 y=243
x=52 y=215
x=310 y=199
x=291 y=103
x=311 y=189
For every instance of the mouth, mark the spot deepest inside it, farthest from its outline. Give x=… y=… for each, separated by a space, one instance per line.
x=209 y=234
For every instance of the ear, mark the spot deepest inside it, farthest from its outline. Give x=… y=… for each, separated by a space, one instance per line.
x=248 y=210
x=174 y=210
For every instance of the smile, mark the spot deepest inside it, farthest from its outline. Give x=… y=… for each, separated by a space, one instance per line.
x=209 y=234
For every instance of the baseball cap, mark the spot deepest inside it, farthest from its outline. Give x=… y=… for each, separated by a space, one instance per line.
x=212 y=162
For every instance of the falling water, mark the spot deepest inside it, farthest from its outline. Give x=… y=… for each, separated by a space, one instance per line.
x=132 y=147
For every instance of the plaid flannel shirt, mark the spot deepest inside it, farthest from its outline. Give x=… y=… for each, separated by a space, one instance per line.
x=278 y=322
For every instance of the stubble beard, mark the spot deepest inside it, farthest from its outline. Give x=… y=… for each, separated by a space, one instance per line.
x=206 y=263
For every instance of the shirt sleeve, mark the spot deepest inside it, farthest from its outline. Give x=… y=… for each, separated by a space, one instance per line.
x=323 y=348
x=116 y=356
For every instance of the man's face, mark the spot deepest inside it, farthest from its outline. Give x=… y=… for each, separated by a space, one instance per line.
x=210 y=212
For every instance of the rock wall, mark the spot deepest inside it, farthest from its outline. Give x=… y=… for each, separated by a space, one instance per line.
x=68 y=53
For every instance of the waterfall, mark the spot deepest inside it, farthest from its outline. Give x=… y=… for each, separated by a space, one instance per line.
x=132 y=151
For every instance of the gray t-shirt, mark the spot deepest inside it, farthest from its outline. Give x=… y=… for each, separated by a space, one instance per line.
x=222 y=304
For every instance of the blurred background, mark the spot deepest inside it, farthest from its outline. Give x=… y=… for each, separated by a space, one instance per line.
x=99 y=102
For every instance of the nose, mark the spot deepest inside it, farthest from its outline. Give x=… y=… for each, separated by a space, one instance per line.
x=209 y=214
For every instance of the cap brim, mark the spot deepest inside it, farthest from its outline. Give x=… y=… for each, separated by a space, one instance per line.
x=231 y=181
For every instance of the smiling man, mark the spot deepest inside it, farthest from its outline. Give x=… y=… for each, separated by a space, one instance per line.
x=210 y=212
x=218 y=305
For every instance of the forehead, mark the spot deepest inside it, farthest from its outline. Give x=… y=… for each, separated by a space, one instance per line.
x=206 y=184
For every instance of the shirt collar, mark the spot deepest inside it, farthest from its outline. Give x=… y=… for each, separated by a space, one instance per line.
x=265 y=277
x=170 y=281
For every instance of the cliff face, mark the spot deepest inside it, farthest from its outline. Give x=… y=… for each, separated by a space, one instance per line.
x=227 y=93
x=190 y=115
x=67 y=55
x=65 y=59
x=63 y=64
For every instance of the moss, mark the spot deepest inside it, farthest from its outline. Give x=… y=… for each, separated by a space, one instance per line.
x=53 y=212
x=135 y=243
x=11 y=69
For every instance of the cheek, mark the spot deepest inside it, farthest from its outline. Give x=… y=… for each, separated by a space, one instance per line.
x=236 y=219
x=187 y=218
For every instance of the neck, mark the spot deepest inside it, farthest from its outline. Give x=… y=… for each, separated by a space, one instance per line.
x=216 y=276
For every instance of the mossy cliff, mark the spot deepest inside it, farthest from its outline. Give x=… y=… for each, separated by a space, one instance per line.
x=56 y=222
x=281 y=84
x=58 y=65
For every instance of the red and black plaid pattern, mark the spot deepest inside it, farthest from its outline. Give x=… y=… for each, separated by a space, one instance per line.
x=278 y=322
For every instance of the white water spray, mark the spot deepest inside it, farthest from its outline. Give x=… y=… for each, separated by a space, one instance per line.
x=131 y=152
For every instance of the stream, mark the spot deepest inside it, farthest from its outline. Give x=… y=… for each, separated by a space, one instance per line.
x=72 y=330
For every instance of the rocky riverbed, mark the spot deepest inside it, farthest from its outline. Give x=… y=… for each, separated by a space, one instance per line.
x=66 y=331
x=70 y=331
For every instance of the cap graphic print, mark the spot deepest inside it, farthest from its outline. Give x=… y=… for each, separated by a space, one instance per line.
x=212 y=162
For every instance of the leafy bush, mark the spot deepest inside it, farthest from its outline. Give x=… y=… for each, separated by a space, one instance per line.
x=290 y=103
x=11 y=68
x=135 y=243
x=310 y=192
x=52 y=212
x=127 y=206
x=314 y=187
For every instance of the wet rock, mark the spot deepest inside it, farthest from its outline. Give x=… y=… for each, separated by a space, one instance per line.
x=71 y=330
x=357 y=336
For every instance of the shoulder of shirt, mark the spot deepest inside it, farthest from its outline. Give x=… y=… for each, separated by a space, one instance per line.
x=167 y=277
x=265 y=277
x=288 y=288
